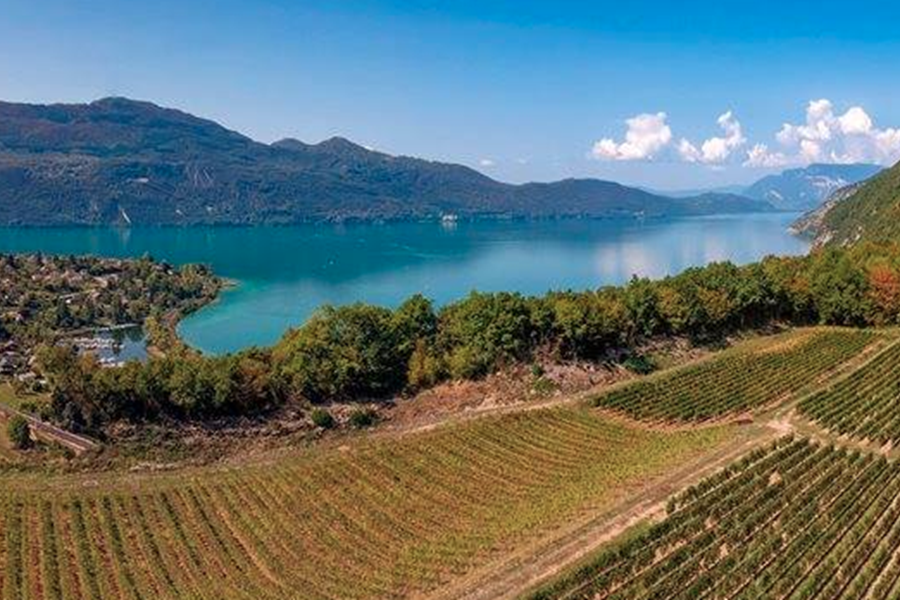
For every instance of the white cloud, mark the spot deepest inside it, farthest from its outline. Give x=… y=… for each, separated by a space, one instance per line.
x=486 y=162
x=688 y=151
x=829 y=137
x=855 y=122
x=647 y=135
x=715 y=150
x=825 y=136
x=760 y=156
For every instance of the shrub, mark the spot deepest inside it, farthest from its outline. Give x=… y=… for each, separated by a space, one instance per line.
x=322 y=418
x=544 y=386
x=361 y=418
x=640 y=364
x=425 y=367
x=19 y=432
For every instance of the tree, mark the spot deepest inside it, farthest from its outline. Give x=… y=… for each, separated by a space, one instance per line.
x=484 y=331
x=642 y=301
x=343 y=353
x=425 y=367
x=839 y=288
x=884 y=289
x=414 y=321
x=589 y=323
x=19 y=432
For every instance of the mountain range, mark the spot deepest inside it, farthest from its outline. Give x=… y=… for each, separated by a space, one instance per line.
x=807 y=188
x=121 y=161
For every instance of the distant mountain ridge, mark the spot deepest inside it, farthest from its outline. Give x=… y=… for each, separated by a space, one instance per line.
x=731 y=190
x=807 y=188
x=121 y=161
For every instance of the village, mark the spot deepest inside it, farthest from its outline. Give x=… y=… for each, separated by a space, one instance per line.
x=96 y=306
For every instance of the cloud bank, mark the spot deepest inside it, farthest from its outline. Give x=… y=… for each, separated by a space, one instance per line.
x=850 y=137
x=826 y=136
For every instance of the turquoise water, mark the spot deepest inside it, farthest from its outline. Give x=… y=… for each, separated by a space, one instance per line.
x=284 y=273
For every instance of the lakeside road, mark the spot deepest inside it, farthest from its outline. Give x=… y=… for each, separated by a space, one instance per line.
x=77 y=443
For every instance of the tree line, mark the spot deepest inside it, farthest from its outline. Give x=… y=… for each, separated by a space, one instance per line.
x=368 y=352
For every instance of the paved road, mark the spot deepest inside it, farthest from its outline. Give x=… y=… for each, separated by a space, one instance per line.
x=45 y=431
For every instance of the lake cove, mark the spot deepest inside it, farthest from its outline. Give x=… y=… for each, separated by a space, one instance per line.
x=283 y=274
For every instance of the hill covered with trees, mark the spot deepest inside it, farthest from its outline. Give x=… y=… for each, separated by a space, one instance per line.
x=869 y=212
x=119 y=161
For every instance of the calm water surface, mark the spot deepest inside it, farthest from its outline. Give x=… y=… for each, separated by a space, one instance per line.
x=284 y=273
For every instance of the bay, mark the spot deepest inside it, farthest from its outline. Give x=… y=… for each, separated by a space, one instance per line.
x=283 y=274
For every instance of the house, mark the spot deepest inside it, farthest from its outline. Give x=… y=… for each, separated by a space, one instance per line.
x=7 y=366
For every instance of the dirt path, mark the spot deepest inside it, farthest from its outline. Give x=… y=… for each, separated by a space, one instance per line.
x=524 y=569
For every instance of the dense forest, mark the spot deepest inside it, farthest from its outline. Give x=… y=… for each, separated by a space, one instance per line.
x=363 y=352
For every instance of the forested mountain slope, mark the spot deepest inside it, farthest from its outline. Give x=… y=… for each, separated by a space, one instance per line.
x=119 y=161
x=869 y=213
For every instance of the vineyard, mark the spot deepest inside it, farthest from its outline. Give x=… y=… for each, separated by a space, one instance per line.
x=739 y=380
x=379 y=518
x=796 y=520
x=866 y=404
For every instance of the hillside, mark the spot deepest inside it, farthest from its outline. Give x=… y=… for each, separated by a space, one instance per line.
x=119 y=161
x=810 y=223
x=807 y=188
x=484 y=506
x=869 y=212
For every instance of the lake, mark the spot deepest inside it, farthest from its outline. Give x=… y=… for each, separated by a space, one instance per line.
x=284 y=273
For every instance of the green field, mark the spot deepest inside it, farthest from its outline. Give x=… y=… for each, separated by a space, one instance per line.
x=374 y=519
x=9 y=397
x=746 y=378
x=406 y=514
x=865 y=405
x=799 y=521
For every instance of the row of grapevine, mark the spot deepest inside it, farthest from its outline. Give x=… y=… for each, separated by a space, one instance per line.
x=738 y=380
x=866 y=404
x=382 y=518
x=801 y=520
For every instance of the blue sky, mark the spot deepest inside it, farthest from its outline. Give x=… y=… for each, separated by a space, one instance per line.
x=521 y=90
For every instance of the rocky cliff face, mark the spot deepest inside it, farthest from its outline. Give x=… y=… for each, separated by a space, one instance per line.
x=813 y=224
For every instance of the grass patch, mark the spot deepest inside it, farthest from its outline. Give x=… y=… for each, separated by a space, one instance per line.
x=31 y=403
